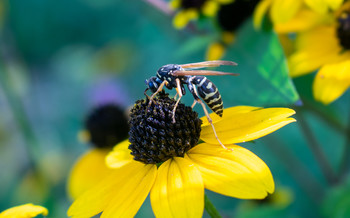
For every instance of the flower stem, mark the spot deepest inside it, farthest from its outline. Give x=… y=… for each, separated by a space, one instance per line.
x=210 y=208
x=325 y=116
x=298 y=170
x=316 y=149
x=345 y=159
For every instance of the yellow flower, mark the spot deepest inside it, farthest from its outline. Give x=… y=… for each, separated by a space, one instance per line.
x=89 y=169
x=188 y=10
x=325 y=48
x=282 y=198
x=294 y=15
x=176 y=184
x=24 y=211
x=215 y=51
x=105 y=127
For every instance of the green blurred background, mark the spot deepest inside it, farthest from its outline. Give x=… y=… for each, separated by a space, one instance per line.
x=60 y=59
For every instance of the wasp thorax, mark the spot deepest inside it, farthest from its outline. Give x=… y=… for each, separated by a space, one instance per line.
x=343 y=30
x=154 y=137
x=192 y=3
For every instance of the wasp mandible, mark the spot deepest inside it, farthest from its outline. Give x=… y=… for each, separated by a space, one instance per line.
x=176 y=76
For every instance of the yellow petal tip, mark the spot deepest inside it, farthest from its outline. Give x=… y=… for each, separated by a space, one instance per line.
x=26 y=210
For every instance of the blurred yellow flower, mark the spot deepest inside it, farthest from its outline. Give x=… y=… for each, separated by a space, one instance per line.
x=24 y=211
x=294 y=13
x=89 y=169
x=229 y=19
x=188 y=10
x=282 y=198
x=105 y=127
x=215 y=51
x=176 y=185
x=325 y=48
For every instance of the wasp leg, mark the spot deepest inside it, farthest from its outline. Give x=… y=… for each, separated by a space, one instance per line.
x=154 y=94
x=146 y=93
x=197 y=99
x=175 y=96
x=178 y=91
x=194 y=104
x=212 y=125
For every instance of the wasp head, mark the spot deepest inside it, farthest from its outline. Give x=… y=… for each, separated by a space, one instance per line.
x=152 y=84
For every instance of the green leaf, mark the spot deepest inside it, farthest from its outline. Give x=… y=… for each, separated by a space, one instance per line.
x=263 y=69
x=337 y=203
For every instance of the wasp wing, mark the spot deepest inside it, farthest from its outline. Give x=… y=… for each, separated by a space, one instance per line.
x=208 y=64
x=201 y=72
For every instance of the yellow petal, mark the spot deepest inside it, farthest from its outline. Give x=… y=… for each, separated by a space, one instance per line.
x=227 y=113
x=323 y=6
x=174 y=4
x=282 y=197
x=228 y=37
x=24 y=211
x=89 y=170
x=303 y=21
x=260 y=12
x=210 y=8
x=182 y=18
x=238 y=173
x=331 y=82
x=244 y=123
x=283 y=10
x=120 y=194
x=223 y=2
x=309 y=55
x=319 y=6
x=334 y=4
x=120 y=155
x=287 y=44
x=215 y=51
x=178 y=190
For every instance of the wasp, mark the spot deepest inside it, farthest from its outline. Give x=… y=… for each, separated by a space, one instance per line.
x=177 y=76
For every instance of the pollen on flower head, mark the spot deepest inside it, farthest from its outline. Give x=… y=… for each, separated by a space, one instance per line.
x=343 y=30
x=154 y=137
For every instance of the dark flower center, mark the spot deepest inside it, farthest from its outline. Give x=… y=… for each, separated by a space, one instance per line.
x=192 y=4
x=154 y=137
x=231 y=16
x=107 y=126
x=343 y=30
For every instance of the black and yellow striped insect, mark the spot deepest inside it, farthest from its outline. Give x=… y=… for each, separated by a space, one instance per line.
x=176 y=76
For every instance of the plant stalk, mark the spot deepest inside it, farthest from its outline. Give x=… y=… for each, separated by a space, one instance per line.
x=210 y=208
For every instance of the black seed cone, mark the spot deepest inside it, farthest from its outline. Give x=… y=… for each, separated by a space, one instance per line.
x=343 y=30
x=192 y=3
x=107 y=126
x=232 y=15
x=154 y=137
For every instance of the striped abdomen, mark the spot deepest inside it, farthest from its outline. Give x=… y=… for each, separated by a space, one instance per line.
x=209 y=93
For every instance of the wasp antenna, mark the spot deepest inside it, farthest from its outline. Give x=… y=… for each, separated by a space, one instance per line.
x=202 y=73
